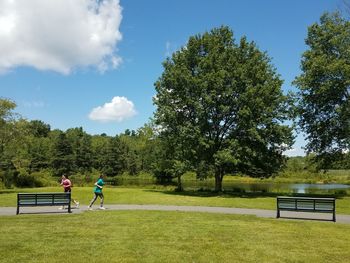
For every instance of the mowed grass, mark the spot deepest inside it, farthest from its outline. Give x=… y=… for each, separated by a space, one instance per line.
x=151 y=236
x=165 y=196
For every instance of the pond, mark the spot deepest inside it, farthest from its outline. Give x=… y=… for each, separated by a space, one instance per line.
x=270 y=187
x=267 y=187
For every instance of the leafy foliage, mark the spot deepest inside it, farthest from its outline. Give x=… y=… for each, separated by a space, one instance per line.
x=220 y=103
x=62 y=155
x=324 y=87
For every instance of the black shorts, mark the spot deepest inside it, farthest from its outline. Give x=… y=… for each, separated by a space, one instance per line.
x=67 y=190
x=99 y=194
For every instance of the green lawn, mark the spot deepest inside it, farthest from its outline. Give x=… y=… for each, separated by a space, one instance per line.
x=165 y=196
x=150 y=236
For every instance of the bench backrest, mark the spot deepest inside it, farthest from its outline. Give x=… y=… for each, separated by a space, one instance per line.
x=43 y=199
x=306 y=204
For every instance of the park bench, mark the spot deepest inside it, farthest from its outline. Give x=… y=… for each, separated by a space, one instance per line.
x=306 y=204
x=110 y=182
x=43 y=199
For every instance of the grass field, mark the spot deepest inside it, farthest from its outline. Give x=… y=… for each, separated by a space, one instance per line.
x=149 y=236
x=166 y=196
x=152 y=236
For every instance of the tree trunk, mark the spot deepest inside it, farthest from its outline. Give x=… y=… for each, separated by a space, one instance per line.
x=218 y=181
x=179 y=184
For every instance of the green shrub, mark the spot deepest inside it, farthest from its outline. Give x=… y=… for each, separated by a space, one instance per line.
x=24 y=179
x=139 y=176
x=44 y=178
x=7 y=177
x=41 y=178
x=84 y=179
x=145 y=176
x=189 y=176
x=340 y=192
x=2 y=185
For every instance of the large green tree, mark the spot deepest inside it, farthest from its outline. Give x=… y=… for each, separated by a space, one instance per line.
x=82 y=150
x=146 y=145
x=114 y=161
x=62 y=155
x=38 y=128
x=12 y=140
x=220 y=105
x=324 y=86
x=38 y=145
x=7 y=123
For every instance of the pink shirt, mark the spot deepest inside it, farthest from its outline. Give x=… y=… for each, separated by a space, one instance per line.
x=66 y=184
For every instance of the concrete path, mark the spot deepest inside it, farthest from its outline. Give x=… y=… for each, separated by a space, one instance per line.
x=11 y=211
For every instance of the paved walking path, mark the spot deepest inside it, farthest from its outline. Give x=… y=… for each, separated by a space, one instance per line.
x=8 y=211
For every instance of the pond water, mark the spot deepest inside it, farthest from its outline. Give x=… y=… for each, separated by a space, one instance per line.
x=277 y=187
x=295 y=188
x=267 y=187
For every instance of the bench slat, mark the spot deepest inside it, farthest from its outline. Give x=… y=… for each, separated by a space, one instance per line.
x=43 y=199
x=306 y=204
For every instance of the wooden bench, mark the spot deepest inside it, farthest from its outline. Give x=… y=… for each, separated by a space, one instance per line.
x=43 y=199
x=306 y=204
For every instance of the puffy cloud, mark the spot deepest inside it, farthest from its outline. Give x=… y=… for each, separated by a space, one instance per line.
x=119 y=109
x=298 y=151
x=59 y=35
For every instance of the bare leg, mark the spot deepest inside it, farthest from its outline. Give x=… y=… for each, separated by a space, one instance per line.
x=102 y=197
x=76 y=203
x=93 y=200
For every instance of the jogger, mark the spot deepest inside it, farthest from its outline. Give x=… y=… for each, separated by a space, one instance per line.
x=98 y=193
x=67 y=186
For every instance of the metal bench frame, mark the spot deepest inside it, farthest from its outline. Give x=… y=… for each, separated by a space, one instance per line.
x=306 y=204
x=43 y=199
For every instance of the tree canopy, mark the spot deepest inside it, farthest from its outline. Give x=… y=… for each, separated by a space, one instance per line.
x=220 y=105
x=324 y=86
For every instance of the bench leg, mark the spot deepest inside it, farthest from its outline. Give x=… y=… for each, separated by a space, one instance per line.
x=69 y=211
x=278 y=213
x=17 y=212
x=334 y=217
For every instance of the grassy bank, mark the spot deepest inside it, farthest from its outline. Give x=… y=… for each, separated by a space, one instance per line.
x=145 y=236
x=167 y=196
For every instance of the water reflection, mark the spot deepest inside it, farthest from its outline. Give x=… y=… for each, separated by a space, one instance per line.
x=306 y=188
x=266 y=187
x=277 y=187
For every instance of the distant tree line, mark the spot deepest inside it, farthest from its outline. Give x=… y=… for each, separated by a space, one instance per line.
x=220 y=110
x=31 y=146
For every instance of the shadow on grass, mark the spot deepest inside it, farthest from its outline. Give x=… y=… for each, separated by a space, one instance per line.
x=306 y=218
x=8 y=191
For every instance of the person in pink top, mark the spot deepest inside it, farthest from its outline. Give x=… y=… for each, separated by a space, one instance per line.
x=67 y=186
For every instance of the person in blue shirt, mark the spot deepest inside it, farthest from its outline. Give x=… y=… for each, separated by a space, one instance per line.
x=98 y=193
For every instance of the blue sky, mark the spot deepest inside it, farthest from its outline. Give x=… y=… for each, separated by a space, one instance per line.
x=73 y=65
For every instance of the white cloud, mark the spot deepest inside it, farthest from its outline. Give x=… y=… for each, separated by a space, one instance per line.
x=171 y=48
x=34 y=104
x=167 y=49
x=59 y=35
x=295 y=152
x=119 y=109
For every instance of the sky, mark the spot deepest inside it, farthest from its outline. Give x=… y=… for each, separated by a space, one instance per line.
x=93 y=64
